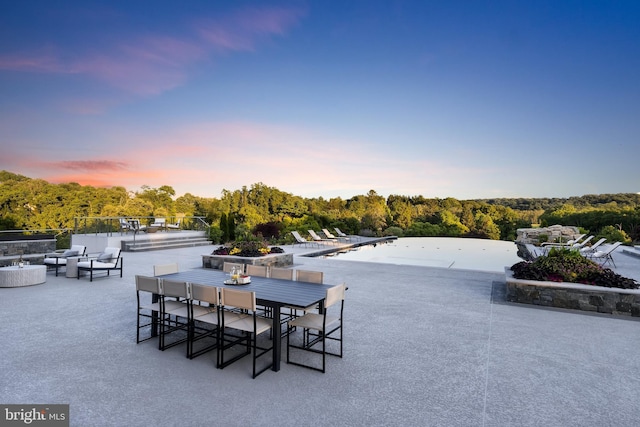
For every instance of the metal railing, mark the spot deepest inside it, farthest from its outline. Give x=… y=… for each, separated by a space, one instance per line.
x=116 y=224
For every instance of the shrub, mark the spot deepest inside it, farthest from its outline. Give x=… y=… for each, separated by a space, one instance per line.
x=249 y=248
x=565 y=265
x=393 y=231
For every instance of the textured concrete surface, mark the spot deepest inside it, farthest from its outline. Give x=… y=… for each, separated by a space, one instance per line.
x=423 y=347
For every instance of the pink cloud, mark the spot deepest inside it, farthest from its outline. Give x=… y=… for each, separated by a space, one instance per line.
x=243 y=29
x=154 y=64
x=91 y=165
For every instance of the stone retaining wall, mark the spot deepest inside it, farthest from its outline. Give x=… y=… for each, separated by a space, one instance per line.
x=32 y=250
x=574 y=296
x=554 y=233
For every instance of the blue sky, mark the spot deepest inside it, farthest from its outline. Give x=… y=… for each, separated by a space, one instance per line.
x=464 y=99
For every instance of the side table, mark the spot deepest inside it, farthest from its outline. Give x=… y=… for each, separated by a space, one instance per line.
x=72 y=267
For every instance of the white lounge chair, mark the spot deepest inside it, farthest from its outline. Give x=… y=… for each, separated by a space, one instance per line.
x=605 y=256
x=341 y=234
x=331 y=236
x=301 y=240
x=590 y=249
x=175 y=225
x=319 y=239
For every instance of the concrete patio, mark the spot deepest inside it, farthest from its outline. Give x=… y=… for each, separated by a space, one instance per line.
x=423 y=347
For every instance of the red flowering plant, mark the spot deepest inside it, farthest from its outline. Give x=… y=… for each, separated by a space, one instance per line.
x=565 y=265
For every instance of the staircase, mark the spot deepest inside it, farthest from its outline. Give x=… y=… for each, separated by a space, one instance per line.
x=166 y=240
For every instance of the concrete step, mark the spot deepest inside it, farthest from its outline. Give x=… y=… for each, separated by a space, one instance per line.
x=150 y=245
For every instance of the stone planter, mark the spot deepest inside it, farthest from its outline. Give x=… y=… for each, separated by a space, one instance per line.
x=271 y=260
x=574 y=296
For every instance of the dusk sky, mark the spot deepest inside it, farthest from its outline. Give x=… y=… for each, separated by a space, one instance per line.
x=464 y=99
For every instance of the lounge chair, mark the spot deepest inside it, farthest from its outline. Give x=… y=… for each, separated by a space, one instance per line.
x=175 y=225
x=331 y=236
x=605 y=256
x=301 y=240
x=590 y=249
x=56 y=260
x=318 y=239
x=341 y=234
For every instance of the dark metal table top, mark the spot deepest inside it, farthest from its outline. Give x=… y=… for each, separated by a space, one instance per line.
x=268 y=291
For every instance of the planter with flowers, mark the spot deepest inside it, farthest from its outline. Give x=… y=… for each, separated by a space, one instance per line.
x=566 y=279
x=254 y=252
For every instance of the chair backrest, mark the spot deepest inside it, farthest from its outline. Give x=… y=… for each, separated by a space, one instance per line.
x=328 y=233
x=595 y=245
x=612 y=248
x=115 y=252
x=204 y=293
x=81 y=249
x=334 y=294
x=340 y=233
x=309 y=276
x=314 y=235
x=174 y=288
x=584 y=242
x=159 y=270
x=147 y=284
x=244 y=300
x=228 y=266
x=281 y=273
x=298 y=237
x=256 y=270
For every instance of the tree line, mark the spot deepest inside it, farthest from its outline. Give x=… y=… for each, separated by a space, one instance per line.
x=35 y=204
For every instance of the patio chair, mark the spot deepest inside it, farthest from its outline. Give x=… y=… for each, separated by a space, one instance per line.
x=281 y=273
x=56 y=260
x=319 y=239
x=175 y=225
x=603 y=257
x=256 y=270
x=105 y=262
x=205 y=319
x=301 y=240
x=160 y=223
x=303 y=276
x=162 y=269
x=175 y=315
x=317 y=328
x=341 y=234
x=331 y=236
x=590 y=249
x=146 y=285
x=249 y=324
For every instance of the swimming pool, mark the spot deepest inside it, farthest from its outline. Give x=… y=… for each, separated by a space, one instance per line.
x=444 y=252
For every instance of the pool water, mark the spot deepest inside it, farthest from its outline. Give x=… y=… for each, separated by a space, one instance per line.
x=444 y=252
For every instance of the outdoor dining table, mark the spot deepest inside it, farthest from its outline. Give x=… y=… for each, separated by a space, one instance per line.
x=272 y=293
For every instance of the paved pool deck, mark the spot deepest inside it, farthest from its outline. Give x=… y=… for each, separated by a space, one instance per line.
x=423 y=347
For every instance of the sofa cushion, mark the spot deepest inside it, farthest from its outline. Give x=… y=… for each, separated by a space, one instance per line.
x=69 y=253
